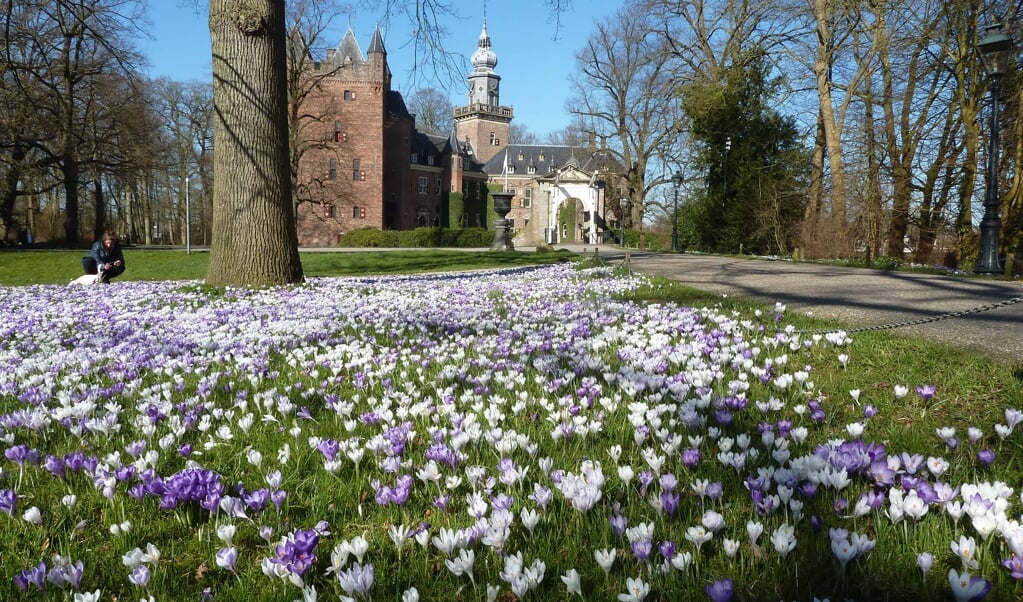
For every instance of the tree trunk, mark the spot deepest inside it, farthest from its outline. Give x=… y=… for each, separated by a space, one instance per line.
x=832 y=129
x=254 y=237
x=72 y=226
x=10 y=196
x=101 y=207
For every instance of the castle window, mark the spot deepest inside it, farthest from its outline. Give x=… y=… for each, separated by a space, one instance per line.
x=424 y=185
x=337 y=131
x=521 y=156
x=542 y=157
x=511 y=169
x=332 y=175
x=527 y=200
x=415 y=157
x=349 y=95
x=330 y=212
x=356 y=172
x=358 y=213
x=531 y=169
x=429 y=159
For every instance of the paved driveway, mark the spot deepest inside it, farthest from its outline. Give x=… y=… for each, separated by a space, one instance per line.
x=862 y=296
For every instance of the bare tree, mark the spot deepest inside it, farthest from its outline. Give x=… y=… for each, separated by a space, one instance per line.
x=59 y=56
x=519 y=133
x=576 y=133
x=433 y=110
x=626 y=91
x=308 y=22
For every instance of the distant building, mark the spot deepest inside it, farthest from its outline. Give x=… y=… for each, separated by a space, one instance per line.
x=363 y=162
x=561 y=192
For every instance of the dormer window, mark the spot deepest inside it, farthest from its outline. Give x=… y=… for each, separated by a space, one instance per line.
x=415 y=157
x=429 y=159
x=542 y=156
x=520 y=156
x=531 y=169
x=511 y=169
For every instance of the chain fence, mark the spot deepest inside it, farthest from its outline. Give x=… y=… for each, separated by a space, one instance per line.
x=936 y=318
x=625 y=264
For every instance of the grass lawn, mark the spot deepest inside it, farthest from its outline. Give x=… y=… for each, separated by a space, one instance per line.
x=60 y=267
x=544 y=434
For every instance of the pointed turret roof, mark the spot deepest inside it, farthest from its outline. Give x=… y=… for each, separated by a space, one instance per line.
x=348 y=51
x=377 y=43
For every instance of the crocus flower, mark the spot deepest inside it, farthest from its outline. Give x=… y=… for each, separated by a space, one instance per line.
x=635 y=590
x=8 y=499
x=986 y=457
x=605 y=558
x=721 y=590
x=227 y=558
x=357 y=580
x=1015 y=566
x=572 y=582
x=925 y=560
x=966 y=587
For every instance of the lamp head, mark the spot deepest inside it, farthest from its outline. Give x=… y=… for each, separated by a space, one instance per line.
x=677 y=179
x=996 y=50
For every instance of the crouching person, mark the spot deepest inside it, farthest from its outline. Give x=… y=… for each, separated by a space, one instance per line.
x=105 y=258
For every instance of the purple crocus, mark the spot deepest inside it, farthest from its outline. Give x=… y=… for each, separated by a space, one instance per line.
x=618 y=524
x=926 y=392
x=34 y=576
x=8 y=500
x=986 y=457
x=721 y=590
x=227 y=558
x=1015 y=566
x=140 y=575
x=691 y=457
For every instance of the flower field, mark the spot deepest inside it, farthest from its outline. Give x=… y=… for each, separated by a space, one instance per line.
x=503 y=435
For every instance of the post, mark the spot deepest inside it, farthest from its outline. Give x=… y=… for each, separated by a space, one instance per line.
x=677 y=181
x=188 y=221
x=991 y=223
x=624 y=204
x=996 y=51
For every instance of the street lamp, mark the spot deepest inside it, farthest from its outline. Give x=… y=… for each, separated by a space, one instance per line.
x=677 y=181
x=996 y=51
x=188 y=221
x=625 y=204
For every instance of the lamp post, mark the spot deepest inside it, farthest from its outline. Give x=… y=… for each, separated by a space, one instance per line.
x=188 y=221
x=677 y=181
x=625 y=204
x=996 y=52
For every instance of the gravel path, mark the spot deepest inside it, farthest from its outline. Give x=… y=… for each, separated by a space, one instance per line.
x=862 y=297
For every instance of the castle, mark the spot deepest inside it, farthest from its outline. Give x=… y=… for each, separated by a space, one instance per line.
x=363 y=163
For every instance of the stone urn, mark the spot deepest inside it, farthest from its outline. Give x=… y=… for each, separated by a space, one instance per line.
x=502 y=231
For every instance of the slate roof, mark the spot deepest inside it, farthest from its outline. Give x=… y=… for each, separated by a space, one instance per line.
x=546 y=158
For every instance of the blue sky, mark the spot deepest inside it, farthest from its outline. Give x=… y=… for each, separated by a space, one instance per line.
x=533 y=65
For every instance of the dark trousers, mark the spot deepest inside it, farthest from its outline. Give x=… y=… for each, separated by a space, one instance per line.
x=90 y=267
